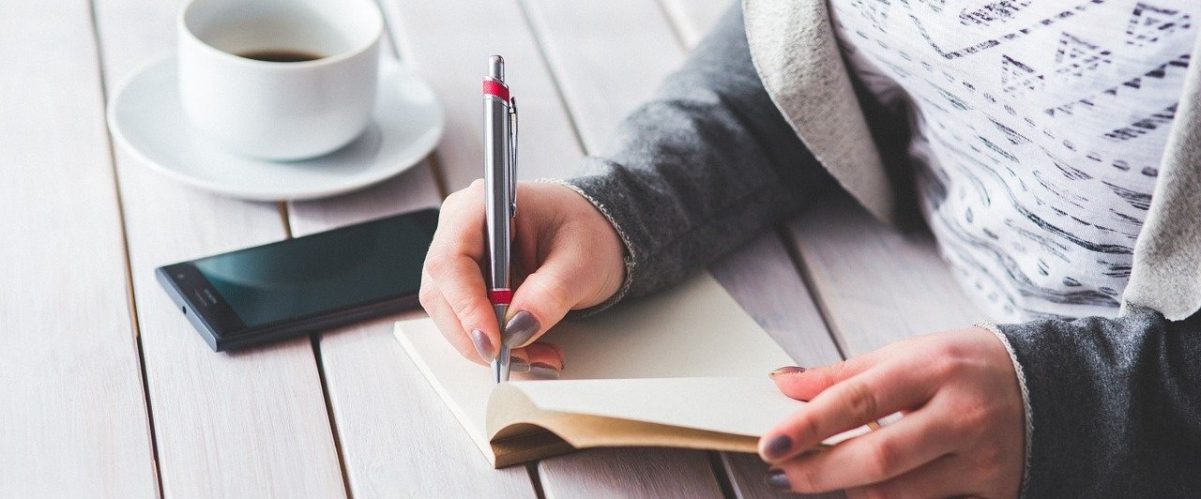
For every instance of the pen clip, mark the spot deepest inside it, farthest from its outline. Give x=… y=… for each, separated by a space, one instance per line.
x=513 y=155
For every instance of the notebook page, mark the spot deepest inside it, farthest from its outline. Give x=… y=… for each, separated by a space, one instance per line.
x=692 y=330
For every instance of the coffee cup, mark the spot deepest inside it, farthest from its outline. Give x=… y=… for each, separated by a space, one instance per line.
x=279 y=79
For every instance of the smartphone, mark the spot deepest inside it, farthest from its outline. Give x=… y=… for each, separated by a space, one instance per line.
x=303 y=285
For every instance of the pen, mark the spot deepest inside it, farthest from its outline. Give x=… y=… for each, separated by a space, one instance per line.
x=500 y=179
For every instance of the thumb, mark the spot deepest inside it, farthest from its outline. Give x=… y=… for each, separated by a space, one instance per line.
x=539 y=303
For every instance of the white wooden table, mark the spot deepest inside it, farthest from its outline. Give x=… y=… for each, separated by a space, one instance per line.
x=105 y=389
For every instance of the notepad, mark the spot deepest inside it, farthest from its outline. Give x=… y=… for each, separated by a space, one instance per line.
x=686 y=368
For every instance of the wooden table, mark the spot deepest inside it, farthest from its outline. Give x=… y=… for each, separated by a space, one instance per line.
x=105 y=389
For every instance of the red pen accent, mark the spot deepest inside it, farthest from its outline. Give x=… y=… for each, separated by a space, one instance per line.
x=502 y=296
x=493 y=87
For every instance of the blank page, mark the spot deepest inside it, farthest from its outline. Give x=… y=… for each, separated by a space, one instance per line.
x=692 y=330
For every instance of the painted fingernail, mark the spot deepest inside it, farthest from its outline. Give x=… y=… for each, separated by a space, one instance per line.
x=520 y=329
x=544 y=370
x=777 y=479
x=517 y=366
x=787 y=370
x=777 y=447
x=483 y=345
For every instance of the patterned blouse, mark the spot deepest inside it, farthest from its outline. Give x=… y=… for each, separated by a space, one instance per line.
x=1037 y=128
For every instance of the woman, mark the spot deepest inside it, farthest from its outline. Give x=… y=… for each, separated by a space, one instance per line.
x=1052 y=147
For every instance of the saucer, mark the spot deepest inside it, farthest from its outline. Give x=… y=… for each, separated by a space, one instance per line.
x=147 y=119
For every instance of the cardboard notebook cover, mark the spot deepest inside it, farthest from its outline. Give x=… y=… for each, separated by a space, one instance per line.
x=683 y=368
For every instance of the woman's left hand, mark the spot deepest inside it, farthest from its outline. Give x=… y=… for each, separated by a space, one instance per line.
x=962 y=433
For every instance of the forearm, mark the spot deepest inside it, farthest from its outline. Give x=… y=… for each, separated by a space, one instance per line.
x=703 y=166
x=1115 y=405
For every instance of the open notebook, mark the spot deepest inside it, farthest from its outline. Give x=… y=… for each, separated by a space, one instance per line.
x=683 y=368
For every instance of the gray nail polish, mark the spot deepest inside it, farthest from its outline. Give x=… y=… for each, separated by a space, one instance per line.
x=520 y=329
x=777 y=447
x=517 y=366
x=544 y=371
x=787 y=370
x=777 y=479
x=483 y=345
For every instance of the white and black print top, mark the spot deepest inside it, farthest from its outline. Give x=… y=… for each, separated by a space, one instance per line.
x=1038 y=126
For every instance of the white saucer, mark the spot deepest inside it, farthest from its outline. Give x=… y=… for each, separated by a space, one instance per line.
x=146 y=118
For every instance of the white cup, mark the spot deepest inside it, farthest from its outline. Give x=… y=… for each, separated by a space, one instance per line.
x=279 y=110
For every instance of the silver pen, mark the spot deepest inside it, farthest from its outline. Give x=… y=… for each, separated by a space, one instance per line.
x=500 y=197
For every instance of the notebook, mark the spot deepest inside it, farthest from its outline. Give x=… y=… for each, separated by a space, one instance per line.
x=686 y=368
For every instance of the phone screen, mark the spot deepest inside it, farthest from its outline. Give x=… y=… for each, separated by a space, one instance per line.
x=308 y=276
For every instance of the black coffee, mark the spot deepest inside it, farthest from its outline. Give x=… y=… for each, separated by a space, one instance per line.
x=280 y=55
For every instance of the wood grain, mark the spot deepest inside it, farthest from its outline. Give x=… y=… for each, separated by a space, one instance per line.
x=876 y=284
x=694 y=18
x=448 y=44
x=73 y=413
x=249 y=424
x=630 y=472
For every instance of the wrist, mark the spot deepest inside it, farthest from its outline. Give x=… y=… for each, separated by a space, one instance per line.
x=615 y=251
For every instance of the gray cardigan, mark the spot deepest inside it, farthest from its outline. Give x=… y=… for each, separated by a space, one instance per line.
x=1113 y=406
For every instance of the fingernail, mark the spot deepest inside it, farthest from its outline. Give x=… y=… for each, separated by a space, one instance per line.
x=483 y=345
x=544 y=371
x=777 y=447
x=520 y=329
x=518 y=366
x=777 y=479
x=787 y=370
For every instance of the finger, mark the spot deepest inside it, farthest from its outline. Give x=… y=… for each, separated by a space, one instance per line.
x=461 y=223
x=875 y=457
x=448 y=324
x=544 y=297
x=454 y=259
x=848 y=404
x=540 y=354
x=941 y=478
x=804 y=384
x=461 y=282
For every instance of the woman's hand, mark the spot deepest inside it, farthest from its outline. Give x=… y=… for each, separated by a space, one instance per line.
x=567 y=256
x=962 y=433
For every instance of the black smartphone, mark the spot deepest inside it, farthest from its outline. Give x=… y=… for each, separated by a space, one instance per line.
x=303 y=285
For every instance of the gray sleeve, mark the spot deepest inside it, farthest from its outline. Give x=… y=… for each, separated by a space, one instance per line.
x=707 y=163
x=1114 y=405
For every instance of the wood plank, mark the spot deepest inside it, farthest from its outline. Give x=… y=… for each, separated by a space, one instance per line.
x=248 y=424
x=583 y=52
x=608 y=57
x=71 y=400
x=448 y=44
x=631 y=473
x=875 y=284
x=764 y=280
x=397 y=437
x=694 y=18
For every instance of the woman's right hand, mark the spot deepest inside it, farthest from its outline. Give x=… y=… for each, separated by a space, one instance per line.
x=567 y=257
